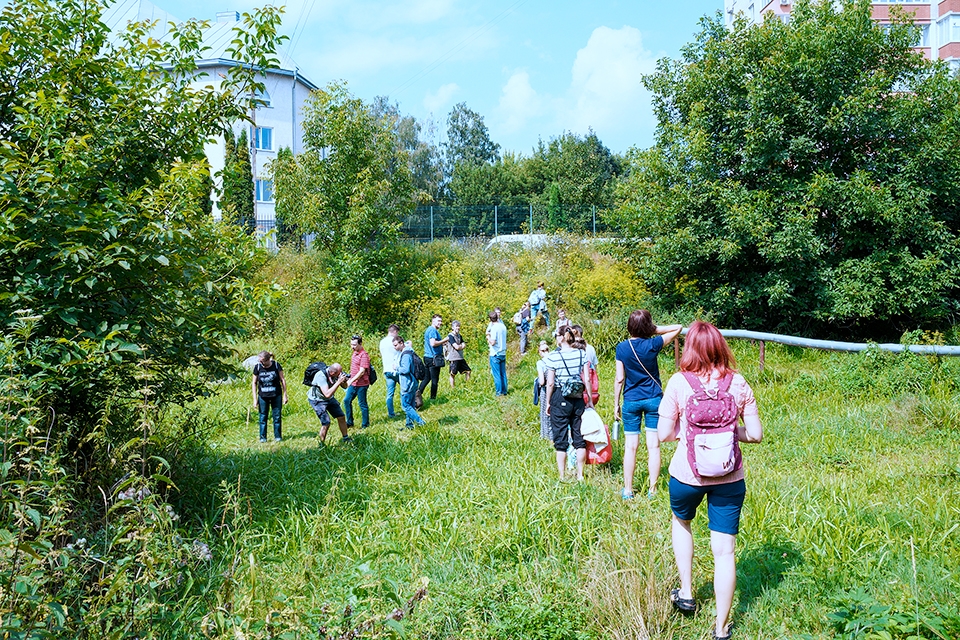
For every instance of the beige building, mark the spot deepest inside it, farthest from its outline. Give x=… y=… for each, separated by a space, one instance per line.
x=938 y=19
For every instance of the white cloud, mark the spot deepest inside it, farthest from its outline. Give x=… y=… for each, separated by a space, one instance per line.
x=605 y=93
x=442 y=98
x=519 y=102
x=605 y=90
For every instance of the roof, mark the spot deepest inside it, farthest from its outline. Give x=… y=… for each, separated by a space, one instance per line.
x=216 y=39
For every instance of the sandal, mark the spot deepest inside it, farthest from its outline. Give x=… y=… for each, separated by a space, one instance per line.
x=686 y=606
x=626 y=495
x=726 y=637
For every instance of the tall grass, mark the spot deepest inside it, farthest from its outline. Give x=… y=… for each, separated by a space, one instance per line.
x=849 y=475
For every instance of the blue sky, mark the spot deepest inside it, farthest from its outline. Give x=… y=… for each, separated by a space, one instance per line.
x=533 y=69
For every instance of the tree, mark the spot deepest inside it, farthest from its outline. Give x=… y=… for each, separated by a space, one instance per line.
x=468 y=140
x=353 y=176
x=805 y=176
x=351 y=188
x=102 y=228
x=425 y=162
x=236 y=200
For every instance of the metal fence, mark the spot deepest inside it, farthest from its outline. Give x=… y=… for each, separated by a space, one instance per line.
x=429 y=223
x=436 y=222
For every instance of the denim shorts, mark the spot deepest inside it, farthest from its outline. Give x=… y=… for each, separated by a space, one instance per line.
x=646 y=409
x=724 y=502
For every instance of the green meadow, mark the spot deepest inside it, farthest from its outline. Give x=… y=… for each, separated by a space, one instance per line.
x=851 y=526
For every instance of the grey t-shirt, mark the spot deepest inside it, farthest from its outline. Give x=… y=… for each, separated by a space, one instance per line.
x=455 y=352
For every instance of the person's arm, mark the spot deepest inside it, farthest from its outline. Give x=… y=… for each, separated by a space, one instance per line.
x=669 y=332
x=617 y=389
x=541 y=375
x=253 y=389
x=751 y=430
x=360 y=371
x=668 y=424
x=585 y=376
x=283 y=385
x=551 y=382
x=436 y=343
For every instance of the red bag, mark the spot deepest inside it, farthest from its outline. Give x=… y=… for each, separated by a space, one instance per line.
x=593 y=387
x=604 y=455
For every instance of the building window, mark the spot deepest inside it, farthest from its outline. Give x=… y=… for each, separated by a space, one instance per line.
x=264 y=99
x=264 y=190
x=262 y=138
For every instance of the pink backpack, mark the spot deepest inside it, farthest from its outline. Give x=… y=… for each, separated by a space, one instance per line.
x=713 y=450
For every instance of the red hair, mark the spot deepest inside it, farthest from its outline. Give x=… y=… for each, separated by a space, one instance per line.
x=705 y=350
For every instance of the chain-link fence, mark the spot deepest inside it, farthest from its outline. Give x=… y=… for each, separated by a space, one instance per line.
x=435 y=222
x=430 y=223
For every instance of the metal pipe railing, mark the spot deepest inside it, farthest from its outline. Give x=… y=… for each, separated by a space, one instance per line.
x=829 y=345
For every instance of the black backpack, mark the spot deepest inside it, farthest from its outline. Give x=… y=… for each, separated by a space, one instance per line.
x=372 y=374
x=418 y=369
x=312 y=370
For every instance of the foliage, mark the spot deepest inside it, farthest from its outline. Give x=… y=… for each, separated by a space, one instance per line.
x=353 y=178
x=468 y=140
x=574 y=170
x=861 y=616
x=236 y=199
x=804 y=176
x=425 y=161
x=101 y=230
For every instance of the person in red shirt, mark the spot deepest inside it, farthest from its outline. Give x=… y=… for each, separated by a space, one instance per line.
x=358 y=383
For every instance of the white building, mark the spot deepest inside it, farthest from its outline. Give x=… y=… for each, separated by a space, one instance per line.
x=278 y=123
x=939 y=21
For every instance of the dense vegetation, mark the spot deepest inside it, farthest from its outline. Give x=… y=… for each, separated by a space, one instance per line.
x=134 y=501
x=805 y=176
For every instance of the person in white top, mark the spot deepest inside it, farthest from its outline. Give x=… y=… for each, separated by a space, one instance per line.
x=388 y=357
x=567 y=375
x=707 y=363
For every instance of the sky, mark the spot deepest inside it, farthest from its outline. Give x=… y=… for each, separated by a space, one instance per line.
x=533 y=69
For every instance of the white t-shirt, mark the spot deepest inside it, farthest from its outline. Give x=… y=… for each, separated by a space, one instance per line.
x=388 y=354
x=499 y=332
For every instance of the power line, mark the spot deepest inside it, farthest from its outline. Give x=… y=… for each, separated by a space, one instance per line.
x=305 y=17
x=456 y=48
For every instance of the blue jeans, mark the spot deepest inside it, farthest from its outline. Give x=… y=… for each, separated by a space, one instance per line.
x=498 y=367
x=391 y=390
x=406 y=402
x=275 y=405
x=636 y=411
x=360 y=393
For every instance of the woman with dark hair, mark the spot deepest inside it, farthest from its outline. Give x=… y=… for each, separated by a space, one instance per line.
x=638 y=378
x=702 y=401
x=568 y=373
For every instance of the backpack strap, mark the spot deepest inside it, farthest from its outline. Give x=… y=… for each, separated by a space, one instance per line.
x=693 y=381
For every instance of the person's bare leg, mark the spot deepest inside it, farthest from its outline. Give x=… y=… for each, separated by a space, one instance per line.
x=653 y=459
x=562 y=463
x=683 y=554
x=323 y=431
x=724 y=577
x=342 y=422
x=581 y=460
x=466 y=377
x=631 y=443
x=451 y=381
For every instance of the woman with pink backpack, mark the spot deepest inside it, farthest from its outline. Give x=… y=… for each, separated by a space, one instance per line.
x=709 y=409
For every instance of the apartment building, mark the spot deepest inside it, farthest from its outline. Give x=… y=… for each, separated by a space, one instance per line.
x=939 y=21
x=278 y=122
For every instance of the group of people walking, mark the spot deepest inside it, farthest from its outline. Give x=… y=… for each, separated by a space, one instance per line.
x=707 y=407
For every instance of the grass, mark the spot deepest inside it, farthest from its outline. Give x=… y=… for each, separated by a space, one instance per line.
x=853 y=499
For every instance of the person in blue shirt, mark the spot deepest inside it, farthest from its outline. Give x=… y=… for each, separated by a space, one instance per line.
x=497 y=339
x=638 y=379
x=432 y=358
x=403 y=375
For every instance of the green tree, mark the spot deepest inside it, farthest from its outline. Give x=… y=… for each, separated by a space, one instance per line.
x=468 y=139
x=424 y=159
x=287 y=179
x=350 y=188
x=236 y=199
x=102 y=230
x=805 y=176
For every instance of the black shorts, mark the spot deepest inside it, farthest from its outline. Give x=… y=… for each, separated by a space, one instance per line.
x=459 y=366
x=326 y=409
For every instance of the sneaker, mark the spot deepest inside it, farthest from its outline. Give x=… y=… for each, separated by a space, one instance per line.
x=263 y=439
x=278 y=439
x=346 y=439
x=626 y=495
x=651 y=494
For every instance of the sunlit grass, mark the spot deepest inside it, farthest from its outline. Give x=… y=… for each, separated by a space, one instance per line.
x=838 y=490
